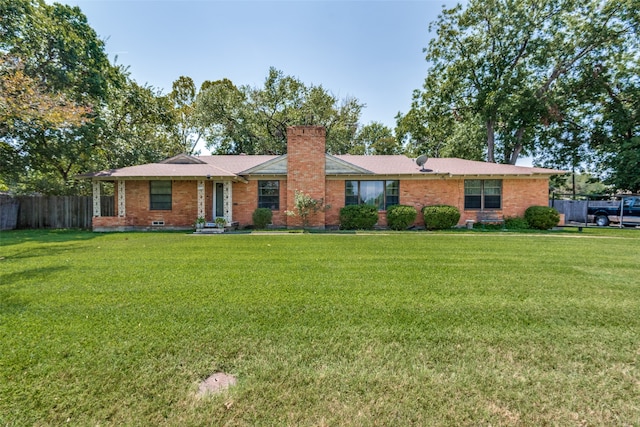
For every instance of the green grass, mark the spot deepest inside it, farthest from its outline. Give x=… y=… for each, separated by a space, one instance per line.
x=465 y=328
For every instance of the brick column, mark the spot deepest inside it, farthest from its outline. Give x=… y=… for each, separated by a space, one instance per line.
x=306 y=169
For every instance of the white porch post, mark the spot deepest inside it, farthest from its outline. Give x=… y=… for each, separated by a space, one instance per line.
x=121 y=199
x=227 y=196
x=96 y=198
x=200 y=198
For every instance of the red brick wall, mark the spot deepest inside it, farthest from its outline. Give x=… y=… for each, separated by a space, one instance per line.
x=335 y=198
x=245 y=201
x=306 y=165
x=439 y=191
x=184 y=204
x=517 y=196
x=306 y=173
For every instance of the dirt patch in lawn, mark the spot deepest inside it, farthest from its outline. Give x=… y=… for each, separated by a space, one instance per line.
x=216 y=383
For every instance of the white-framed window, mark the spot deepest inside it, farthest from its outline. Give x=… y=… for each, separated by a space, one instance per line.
x=269 y=194
x=160 y=195
x=381 y=194
x=482 y=194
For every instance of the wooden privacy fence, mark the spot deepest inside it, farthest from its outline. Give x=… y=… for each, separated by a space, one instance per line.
x=8 y=212
x=51 y=211
x=573 y=210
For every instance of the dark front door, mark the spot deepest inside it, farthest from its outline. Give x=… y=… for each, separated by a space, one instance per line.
x=218 y=200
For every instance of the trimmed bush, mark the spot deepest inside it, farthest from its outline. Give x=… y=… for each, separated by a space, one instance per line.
x=262 y=218
x=440 y=217
x=516 y=223
x=400 y=217
x=358 y=217
x=541 y=217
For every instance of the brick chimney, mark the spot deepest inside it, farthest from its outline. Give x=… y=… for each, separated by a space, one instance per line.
x=306 y=169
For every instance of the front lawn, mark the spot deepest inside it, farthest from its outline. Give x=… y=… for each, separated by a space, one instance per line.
x=349 y=329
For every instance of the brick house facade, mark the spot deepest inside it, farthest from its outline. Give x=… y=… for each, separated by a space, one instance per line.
x=173 y=193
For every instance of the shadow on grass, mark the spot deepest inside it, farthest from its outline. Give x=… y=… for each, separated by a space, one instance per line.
x=10 y=303
x=40 y=273
x=16 y=237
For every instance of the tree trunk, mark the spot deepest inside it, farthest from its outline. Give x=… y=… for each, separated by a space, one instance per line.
x=491 y=141
x=517 y=149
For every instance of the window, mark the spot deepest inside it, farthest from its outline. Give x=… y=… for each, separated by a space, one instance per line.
x=269 y=195
x=482 y=194
x=381 y=194
x=160 y=195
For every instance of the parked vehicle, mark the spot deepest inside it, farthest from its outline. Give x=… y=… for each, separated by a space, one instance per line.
x=625 y=211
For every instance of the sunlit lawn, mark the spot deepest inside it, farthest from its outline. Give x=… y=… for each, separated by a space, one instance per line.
x=466 y=328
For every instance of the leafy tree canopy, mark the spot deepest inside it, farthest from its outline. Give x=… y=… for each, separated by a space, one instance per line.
x=255 y=120
x=65 y=109
x=376 y=138
x=517 y=77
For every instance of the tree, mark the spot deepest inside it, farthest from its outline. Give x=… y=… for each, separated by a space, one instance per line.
x=500 y=64
x=436 y=133
x=304 y=206
x=255 y=120
x=136 y=125
x=617 y=134
x=376 y=138
x=599 y=128
x=223 y=109
x=24 y=100
x=25 y=103
x=183 y=96
x=65 y=109
x=63 y=62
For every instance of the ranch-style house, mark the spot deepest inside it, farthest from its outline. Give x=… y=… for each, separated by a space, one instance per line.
x=173 y=193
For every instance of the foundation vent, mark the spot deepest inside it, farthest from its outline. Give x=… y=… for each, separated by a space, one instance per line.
x=157 y=223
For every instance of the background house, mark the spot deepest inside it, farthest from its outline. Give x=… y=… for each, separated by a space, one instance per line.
x=173 y=193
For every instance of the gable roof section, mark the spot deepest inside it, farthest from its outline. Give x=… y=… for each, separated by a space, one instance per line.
x=276 y=166
x=183 y=159
x=333 y=166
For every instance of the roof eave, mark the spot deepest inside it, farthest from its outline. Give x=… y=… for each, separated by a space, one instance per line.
x=163 y=177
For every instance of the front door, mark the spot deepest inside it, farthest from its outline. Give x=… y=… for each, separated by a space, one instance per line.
x=218 y=200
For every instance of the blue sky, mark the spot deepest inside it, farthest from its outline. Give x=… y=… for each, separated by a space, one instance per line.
x=370 y=50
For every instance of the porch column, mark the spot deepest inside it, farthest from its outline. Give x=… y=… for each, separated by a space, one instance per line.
x=200 y=198
x=121 y=200
x=96 y=198
x=227 y=196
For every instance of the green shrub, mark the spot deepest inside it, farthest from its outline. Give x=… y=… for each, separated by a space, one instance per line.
x=400 y=217
x=358 y=217
x=541 y=217
x=516 y=223
x=440 y=217
x=262 y=217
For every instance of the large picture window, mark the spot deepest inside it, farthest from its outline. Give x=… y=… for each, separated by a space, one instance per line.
x=160 y=195
x=381 y=194
x=269 y=195
x=482 y=194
